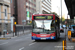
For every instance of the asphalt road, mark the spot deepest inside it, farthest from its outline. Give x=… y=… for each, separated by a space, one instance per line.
x=25 y=43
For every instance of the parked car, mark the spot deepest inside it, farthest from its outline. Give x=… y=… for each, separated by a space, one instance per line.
x=61 y=29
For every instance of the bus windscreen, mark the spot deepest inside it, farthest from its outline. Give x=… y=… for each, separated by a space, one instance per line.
x=44 y=26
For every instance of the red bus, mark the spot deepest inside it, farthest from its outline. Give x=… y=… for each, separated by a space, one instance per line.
x=45 y=27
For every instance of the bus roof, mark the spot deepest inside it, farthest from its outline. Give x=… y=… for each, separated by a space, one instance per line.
x=42 y=14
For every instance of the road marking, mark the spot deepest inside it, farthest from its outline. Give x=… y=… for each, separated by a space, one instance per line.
x=21 y=48
x=31 y=44
x=58 y=45
x=4 y=43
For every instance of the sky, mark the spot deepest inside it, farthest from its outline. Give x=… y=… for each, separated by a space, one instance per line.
x=56 y=7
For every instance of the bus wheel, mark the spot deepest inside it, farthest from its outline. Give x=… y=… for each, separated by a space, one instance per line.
x=36 y=40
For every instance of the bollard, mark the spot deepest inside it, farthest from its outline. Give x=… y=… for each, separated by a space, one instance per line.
x=64 y=44
x=69 y=35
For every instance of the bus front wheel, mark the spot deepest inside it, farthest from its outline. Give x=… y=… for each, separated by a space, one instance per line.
x=36 y=40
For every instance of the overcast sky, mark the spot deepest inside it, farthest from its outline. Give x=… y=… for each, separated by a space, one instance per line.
x=56 y=7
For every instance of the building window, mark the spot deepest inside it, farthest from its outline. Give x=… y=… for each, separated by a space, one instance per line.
x=5 y=12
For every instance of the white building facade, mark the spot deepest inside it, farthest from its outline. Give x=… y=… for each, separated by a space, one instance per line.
x=43 y=6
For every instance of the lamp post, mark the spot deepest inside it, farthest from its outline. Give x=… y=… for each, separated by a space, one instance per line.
x=61 y=12
x=64 y=41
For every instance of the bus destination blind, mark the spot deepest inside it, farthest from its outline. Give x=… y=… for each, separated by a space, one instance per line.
x=43 y=17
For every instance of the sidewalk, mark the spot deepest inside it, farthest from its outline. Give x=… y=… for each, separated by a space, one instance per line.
x=12 y=35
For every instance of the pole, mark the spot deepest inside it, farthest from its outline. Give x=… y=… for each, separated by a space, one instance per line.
x=65 y=31
x=15 y=29
x=64 y=41
x=61 y=12
x=64 y=44
x=23 y=27
x=15 y=15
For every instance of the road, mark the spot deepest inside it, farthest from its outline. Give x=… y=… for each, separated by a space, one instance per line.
x=25 y=43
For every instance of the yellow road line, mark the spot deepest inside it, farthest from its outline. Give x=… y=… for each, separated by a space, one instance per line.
x=4 y=38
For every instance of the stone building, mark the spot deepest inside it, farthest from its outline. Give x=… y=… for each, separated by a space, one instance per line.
x=5 y=16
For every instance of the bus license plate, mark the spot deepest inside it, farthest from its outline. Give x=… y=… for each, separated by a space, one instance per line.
x=43 y=38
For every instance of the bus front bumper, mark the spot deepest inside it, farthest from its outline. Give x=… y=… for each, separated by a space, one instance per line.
x=43 y=38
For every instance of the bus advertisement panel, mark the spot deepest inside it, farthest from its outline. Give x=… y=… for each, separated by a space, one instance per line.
x=44 y=27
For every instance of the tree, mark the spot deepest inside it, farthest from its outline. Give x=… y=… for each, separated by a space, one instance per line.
x=63 y=20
